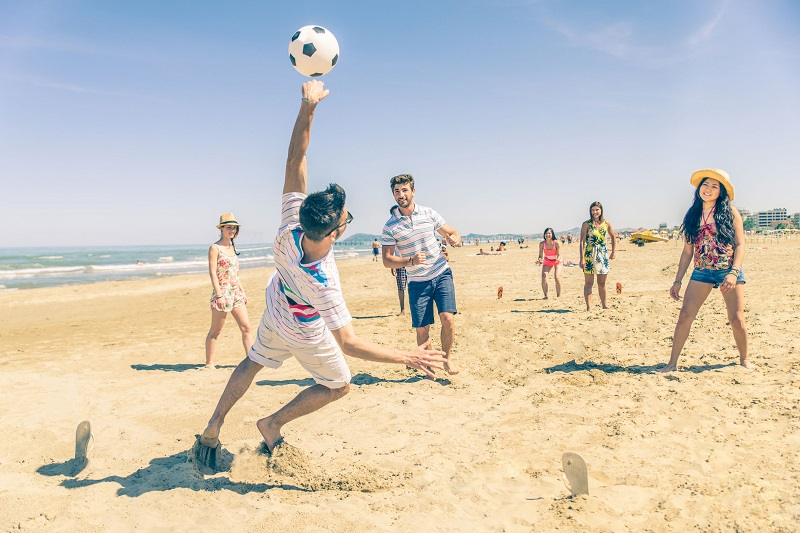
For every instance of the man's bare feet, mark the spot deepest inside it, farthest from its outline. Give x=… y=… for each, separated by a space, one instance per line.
x=210 y=437
x=451 y=367
x=271 y=435
x=747 y=364
x=668 y=368
x=401 y=313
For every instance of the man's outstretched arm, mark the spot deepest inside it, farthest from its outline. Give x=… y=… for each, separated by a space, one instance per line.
x=295 y=180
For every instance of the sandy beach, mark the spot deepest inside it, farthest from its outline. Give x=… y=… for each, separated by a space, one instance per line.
x=711 y=447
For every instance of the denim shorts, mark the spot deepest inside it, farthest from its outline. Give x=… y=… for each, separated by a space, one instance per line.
x=715 y=277
x=422 y=295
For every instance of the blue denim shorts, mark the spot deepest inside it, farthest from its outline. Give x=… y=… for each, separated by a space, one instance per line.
x=422 y=295
x=715 y=277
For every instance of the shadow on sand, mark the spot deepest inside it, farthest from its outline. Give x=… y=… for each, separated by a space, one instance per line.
x=559 y=311
x=607 y=368
x=176 y=368
x=163 y=474
x=357 y=380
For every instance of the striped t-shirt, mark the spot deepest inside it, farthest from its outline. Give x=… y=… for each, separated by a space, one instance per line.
x=302 y=299
x=416 y=233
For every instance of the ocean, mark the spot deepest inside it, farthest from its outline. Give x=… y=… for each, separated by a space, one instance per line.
x=27 y=268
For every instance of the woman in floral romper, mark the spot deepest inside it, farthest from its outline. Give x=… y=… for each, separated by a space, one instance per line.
x=228 y=295
x=595 y=234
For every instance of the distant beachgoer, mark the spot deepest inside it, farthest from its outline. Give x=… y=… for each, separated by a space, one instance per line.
x=563 y=239
x=401 y=278
x=306 y=316
x=714 y=237
x=376 y=247
x=550 y=259
x=139 y=263
x=481 y=252
x=410 y=233
x=569 y=238
x=228 y=295
x=594 y=257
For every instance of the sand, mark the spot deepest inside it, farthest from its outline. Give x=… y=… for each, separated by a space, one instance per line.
x=712 y=447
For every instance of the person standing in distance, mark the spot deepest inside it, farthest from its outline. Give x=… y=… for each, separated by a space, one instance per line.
x=409 y=241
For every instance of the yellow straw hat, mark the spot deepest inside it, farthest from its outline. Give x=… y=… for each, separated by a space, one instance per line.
x=228 y=219
x=715 y=174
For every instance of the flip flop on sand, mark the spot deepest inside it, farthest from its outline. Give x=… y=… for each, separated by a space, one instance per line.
x=84 y=440
x=205 y=452
x=576 y=476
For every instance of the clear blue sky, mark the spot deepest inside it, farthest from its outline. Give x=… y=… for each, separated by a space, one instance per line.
x=138 y=122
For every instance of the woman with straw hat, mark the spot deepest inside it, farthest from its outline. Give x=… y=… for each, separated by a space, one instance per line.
x=714 y=240
x=228 y=295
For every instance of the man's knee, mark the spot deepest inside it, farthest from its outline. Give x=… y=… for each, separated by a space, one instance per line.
x=340 y=392
x=448 y=320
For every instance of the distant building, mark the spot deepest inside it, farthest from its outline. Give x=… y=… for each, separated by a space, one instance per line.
x=662 y=226
x=746 y=214
x=769 y=219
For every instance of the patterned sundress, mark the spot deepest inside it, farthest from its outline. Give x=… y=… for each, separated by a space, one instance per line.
x=228 y=277
x=595 y=253
x=710 y=254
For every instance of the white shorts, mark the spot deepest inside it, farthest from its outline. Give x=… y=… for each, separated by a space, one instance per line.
x=324 y=361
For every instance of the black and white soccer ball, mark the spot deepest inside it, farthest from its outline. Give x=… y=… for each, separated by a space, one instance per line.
x=313 y=51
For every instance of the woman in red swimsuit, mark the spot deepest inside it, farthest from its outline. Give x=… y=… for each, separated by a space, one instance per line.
x=550 y=258
x=714 y=239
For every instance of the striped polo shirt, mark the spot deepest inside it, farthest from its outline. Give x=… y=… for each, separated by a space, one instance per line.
x=302 y=299
x=416 y=233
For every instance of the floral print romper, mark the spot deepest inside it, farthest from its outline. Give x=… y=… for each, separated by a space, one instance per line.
x=228 y=276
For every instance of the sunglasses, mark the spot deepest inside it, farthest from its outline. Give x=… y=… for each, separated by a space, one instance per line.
x=346 y=222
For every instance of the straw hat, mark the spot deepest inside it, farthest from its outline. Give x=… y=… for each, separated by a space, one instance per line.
x=228 y=219
x=715 y=174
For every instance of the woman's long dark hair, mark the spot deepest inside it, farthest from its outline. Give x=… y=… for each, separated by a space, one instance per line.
x=723 y=217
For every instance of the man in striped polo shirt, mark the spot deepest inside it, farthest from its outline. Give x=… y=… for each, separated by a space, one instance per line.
x=306 y=316
x=409 y=240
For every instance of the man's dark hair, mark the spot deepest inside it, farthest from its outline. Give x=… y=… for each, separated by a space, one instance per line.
x=321 y=212
x=401 y=179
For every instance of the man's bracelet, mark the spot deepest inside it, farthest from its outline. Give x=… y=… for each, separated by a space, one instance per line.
x=307 y=100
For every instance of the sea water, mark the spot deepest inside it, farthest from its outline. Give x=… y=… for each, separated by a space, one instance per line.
x=24 y=268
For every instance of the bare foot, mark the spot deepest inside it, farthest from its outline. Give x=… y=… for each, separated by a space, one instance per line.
x=667 y=368
x=272 y=436
x=545 y=298
x=210 y=437
x=450 y=367
x=208 y=366
x=401 y=313
x=747 y=364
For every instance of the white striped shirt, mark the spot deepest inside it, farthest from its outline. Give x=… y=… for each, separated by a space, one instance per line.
x=303 y=300
x=416 y=233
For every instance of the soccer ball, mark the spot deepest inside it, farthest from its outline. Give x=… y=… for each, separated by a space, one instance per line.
x=313 y=51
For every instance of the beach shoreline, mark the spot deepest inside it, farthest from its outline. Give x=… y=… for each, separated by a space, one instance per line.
x=708 y=447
